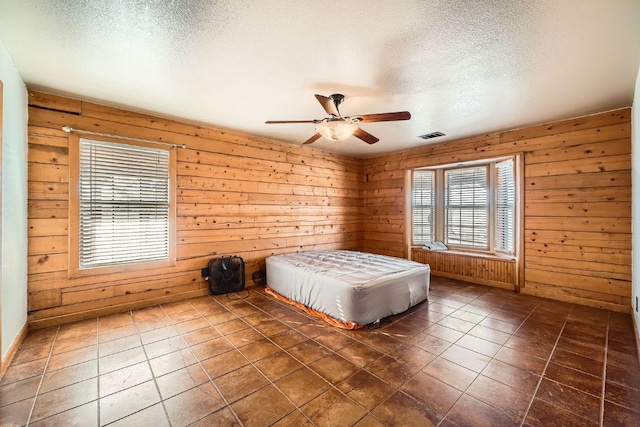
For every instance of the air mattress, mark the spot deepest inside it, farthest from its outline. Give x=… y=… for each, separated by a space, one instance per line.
x=349 y=286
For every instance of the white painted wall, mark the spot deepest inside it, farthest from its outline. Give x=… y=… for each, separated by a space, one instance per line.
x=635 y=173
x=13 y=258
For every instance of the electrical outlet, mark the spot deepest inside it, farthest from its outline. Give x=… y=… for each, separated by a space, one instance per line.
x=204 y=272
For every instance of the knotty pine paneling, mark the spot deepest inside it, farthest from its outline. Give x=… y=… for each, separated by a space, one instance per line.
x=485 y=270
x=236 y=195
x=577 y=210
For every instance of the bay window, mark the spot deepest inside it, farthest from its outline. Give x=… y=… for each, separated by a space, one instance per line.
x=468 y=206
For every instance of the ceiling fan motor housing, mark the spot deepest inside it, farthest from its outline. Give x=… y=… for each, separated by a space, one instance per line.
x=337 y=98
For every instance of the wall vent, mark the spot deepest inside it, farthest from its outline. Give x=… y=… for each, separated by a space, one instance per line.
x=431 y=135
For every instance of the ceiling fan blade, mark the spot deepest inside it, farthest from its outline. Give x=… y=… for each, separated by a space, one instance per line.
x=328 y=105
x=313 y=139
x=384 y=117
x=365 y=136
x=277 y=122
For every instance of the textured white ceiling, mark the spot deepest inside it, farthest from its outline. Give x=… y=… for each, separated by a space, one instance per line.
x=460 y=67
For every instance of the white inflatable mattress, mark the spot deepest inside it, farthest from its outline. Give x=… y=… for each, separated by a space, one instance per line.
x=349 y=286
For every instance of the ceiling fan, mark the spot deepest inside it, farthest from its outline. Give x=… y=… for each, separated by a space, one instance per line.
x=337 y=128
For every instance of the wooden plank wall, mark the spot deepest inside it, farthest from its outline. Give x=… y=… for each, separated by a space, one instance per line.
x=236 y=194
x=485 y=270
x=577 y=227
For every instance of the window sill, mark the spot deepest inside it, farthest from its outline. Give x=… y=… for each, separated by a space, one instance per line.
x=486 y=255
x=122 y=268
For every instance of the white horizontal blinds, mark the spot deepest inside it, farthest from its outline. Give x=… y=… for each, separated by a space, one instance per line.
x=423 y=201
x=466 y=206
x=124 y=204
x=505 y=206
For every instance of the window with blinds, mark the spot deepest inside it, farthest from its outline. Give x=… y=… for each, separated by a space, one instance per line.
x=124 y=204
x=470 y=206
x=505 y=206
x=423 y=205
x=466 y=207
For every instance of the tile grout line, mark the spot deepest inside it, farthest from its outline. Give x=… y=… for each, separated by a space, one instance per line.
x=199 y=362
x=398 y=389
x=293 y=357
x=604 y=369
x=80 y=363
x=319 y=343
x=332 y=386
x=284 y=350
x=305 y=365
x=313 y=339
x=137 y=334
x=359 y=368
x=35 y=398
x=492 y=358
x=454 y=343
x=236 y=348
x=98 y=368
x=278 y=346
x=155 y=382
x=440 y=355
x=533 y=396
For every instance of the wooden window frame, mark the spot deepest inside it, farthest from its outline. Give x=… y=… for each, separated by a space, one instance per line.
x=489 y=205
x=412 y=202
x=516 y=207
x=439 y=211
x=74 y=211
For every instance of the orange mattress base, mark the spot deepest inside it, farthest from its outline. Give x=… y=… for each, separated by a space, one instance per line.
x=315 y=313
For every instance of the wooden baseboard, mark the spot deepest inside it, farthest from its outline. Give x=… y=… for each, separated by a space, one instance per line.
x=471 y=279
x=556 y=296
x=6 y=360
x=635 y=329
x=114 y=309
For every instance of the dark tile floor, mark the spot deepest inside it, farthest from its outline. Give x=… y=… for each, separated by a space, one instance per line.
x=471 y=356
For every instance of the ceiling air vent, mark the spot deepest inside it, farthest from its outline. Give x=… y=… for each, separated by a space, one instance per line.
x=431 y=135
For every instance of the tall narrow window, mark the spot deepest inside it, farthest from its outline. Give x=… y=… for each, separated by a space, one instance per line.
x=466 y=207
x=124 y=204
x=423 y=201
x=505 y=206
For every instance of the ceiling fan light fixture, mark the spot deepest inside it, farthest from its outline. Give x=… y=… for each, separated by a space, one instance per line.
x=336 y=129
